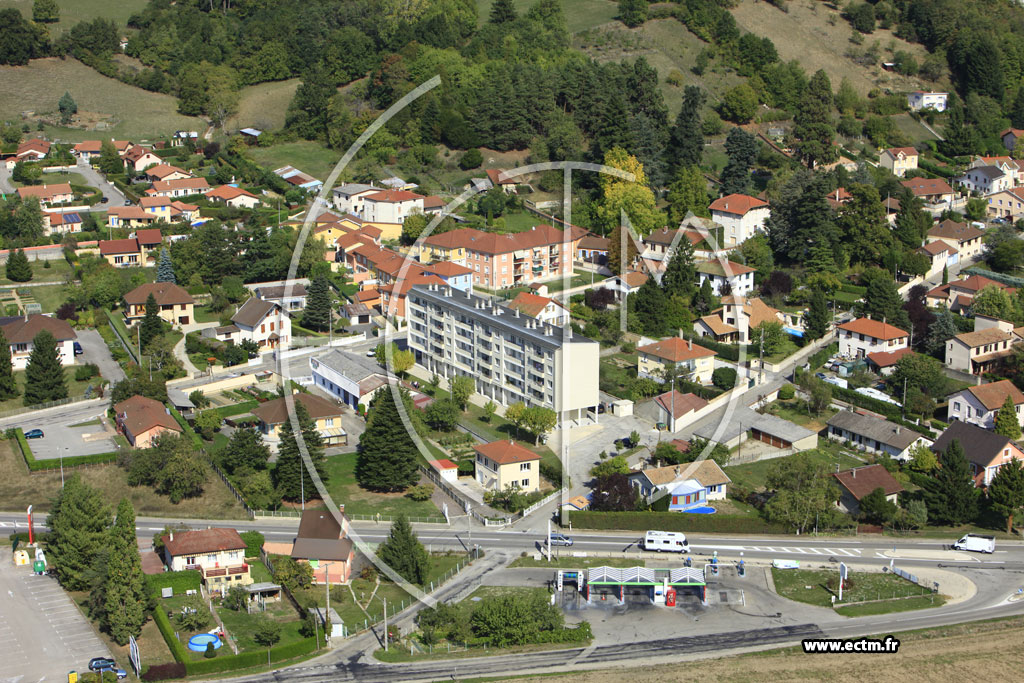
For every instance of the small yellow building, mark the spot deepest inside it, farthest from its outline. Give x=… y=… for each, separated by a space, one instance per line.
x=175 y=303
x=326 y=414
x=505 y=464
x=655 y=360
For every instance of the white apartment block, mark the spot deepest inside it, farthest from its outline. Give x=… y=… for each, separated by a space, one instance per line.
x=512 y=357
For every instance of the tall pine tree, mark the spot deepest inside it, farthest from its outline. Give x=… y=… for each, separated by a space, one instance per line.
x=18 y=268
x=1006 y=420
x=291 y=476
x=387 y=453
x=950 y=493
x=814 y=122
x=44 y=375
x=502 y=11
x=817 y=319
x=78 y=524
x=404 y=553
x=151 y=326
x=124 y=598
x=165 y=268
x=680 y=276
x=8 y=385
x=317 y=315
x=686 y=141
x=1006 y=492
x=741 y=147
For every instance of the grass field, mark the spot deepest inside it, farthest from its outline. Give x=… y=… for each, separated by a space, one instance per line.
x=57 y=271
x=576 y=562
x=579 y=14
x=139 y=114
x=263 y=105
x=796 y=412
x=19 y=489
x=309 y=157
x=615 y=378
x=753 y=475
x=358 y=501
x=809 y=586
x=75 y=388
x=74 y=11
x=890 y=606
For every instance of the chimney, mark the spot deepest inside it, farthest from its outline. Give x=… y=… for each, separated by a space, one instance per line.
x=172 y=536
x=518 y=314
x=854 y=471
x=897 y=429
x=341 y=508
x=691 y=344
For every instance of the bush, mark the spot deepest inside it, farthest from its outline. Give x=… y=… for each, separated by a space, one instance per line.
x=420 y=493
x=253 y=543
x=724 y=378
x=787 y=392
x=84 y=372
x=471 y=159
x=164 y=672
x=673 y=521
x=211 y=652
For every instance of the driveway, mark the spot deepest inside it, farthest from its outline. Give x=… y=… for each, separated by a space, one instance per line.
x=95 y=350
x=43 y=635
x=96 y=179
x=5 y=180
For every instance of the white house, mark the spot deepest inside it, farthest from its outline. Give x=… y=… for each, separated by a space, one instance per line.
x=20 y=331
x=979 y=404
x=139 y=158
x=874 y=434
x=234 y=196
x=542 y=308
x=985 y=180
x=863 y=336
x=624 y=285
x=391 y=206
x=726 y=278
x=182 y=187
x=264 y=322
x=349 y=377
x=655 y=482
x=899 y=160
x=920 y=99
x=348 y=198
x=741 y=215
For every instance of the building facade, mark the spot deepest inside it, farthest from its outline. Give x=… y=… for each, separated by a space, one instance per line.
x=864 y=336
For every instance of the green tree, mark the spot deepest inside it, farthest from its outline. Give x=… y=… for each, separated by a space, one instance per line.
x=540 y=421
x=1017 y=110
x=741 y=148
x=124 y=591
x=606 y=468
x=207 y=422
x=817 y=320
x=704 y=301
x=632 y=13
x=387 y=453
x=680 y=276
x=404 y=553
x=516 y=414
x=317 y=315
x=245 y=449
x=291 y=476
x=462 y=388
x=267 y=632
x=1006 y=420
x=739 y=104
x=768 y=336
x=413 y=226
x=152 y=325
x=917 y=370
x=865 y=230
x=950 y=493
x=471 y=159
x=687 y=194
x=110 y=161
x=78 y=524
x=941 y=330
x=911 y=222
x=635 y=197
x=804 y=491
x=489 y=408
x=618 y=262
x=183 y=476
x=502 y=11
x=1006 y=492
x=875 y=508
x=648 y=306
x=8 y=385
x=685 y=147
x=992 y=301
x=165 y=268
x=44 y=375
x=923 y=459
x=46 y=12
x=814 y=122
x=18 y=268
x=443 y=415
x=882 y=300
x=66 y=105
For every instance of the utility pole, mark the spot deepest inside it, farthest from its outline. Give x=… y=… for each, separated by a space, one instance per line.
x=385 y=623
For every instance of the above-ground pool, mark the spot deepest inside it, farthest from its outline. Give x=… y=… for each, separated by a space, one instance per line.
x=197 y=643
x=703 y=510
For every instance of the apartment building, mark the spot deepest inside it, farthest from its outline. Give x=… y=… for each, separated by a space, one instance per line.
x=513 y=357
x=979 y=351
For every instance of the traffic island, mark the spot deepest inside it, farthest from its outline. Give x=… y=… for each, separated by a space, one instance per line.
x=863 y=593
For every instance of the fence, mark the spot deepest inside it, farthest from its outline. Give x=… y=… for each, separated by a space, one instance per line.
x=540 y=503
x=132 y=351
x=231 y=487
x=288 y=514
x=461 y=499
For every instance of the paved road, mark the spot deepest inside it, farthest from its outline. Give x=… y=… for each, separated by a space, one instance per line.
x=72 y=413
x=96 y=179
x=96 y=351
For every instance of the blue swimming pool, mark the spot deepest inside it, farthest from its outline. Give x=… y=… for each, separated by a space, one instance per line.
x=704 y=510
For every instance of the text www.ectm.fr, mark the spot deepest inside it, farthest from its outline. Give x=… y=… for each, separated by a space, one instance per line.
x=836 y=645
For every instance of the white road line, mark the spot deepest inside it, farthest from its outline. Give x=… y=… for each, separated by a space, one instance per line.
x=881 y=556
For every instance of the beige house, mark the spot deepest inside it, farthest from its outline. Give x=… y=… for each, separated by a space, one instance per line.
x=656 y=360
x=505 y=464
x=142 y=420
x=48 y=195
x=176 y=304
x=977 y=352
x=740 y=215
x=655 y=482
x=736 y=318
x=264 y=322
x=899 y=160
x=217 y=554
x=864 y=336
x=122 y=253
x=858 y=482
x=964 y=237
x=326 y=414
x=21 y=333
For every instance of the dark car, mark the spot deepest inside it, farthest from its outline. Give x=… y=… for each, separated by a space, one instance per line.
x=78 y=349
x=34 y=434
x=127 y=202
x=120 y=673
x=561 y=539
x=98 y=663
x=103 y=200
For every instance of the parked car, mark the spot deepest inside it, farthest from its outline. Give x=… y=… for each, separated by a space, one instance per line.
x=103 y=200
x=34 y=434
x=561 y=539
x=127 y=202
x=97 y=663
x=120 y=673
x=78 y=349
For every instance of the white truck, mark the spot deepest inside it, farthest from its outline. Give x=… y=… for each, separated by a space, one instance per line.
x=976 y=543
x=666 y=541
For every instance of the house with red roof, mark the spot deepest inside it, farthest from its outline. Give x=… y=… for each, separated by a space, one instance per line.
x=958 y=295
x=979 y=404
x=856 y=483
x=671 y=407
x=931 y=190
x=939 y=255
x=741 y=215
x=898 y=160
x=501 y=465
x=32 y=150
x=182 y=187
x=129 y=217
x=57 y=223
x=884 y=362
x=218 y=554
x=166 y=172
x=681 y=356
x=48 y=195
x=122 y=253
x=139 y=158
x=541 y=308
x=494 y=175
x=142 y=420
x=233 y=196
x=87 y=150
x=863 y=336
x=455 y=276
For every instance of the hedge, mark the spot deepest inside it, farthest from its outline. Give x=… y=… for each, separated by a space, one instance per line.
x=185 y=426
x=180 y=581
x=935 y=169
x=167 y=631
x=674 y=521
x=21 y=537
x=726 y=351
x=56 y=463
x=819 y=357
x=164 y=672
x=893 y=413
x=853 y=289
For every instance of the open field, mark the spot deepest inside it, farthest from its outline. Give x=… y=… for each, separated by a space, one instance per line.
x=74 y=11
x=753 y=475
x=19 y=489
x=263 y=105
x=309 y=157
x=359 y=501
x=809 y=586
x=579 y=14
x=926 y=655
x=138 y=114
x=58 y=270
x=816 y=36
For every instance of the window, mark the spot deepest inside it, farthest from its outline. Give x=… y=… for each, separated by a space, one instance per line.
x=329 y=422
x=525 y=483
x=263 y=328
x=524 y=467
x=271 y=327
x=119 y=259
x=211 y=558
x=956 y=405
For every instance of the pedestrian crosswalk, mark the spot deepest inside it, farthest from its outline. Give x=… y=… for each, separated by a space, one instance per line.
x=788 y=550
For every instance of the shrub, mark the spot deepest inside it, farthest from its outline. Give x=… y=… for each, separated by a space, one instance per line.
x=211 y=652
x=471 y=159
x=420 y=493
x=787 y=392
x=724 y=378
x=87 y=371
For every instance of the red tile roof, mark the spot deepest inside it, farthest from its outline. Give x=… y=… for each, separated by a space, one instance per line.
x=165 y=293
x=683 y=403
x=202 y=541
x=860 y=481
x=227 y=192
x=874 y=328
x=149 y=236
x=493 y=243
x=21 y=331
x=738 y=204
x=392 y=196
x=922 y=187
x=993 y=394
x=140 y=414
x=198 y=184
x=529 y=304
x=675 y=349
x=505 y=452
x=906 y=151
x=128 y=246
x=885 y=359
x=44 y=191
x=953 y=230
x=447 y=269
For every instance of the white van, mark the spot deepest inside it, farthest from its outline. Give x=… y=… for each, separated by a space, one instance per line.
x=976 y=543
x=666 y=541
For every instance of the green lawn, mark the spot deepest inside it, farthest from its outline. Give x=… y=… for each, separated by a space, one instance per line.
x=813 y=586
x=578 y=279
x=358 y=501
x=204 y=315
x=499 y=428
x=309 y=157
x=263 y=105
x=74 y=11
x=58 y=270
x=242 y=625
x=579 y=14
x=616 y=378
x=889 y=606
x=577 y=562
x=75 y=388
x=796 y=412
x=753 y=475
x=49 y=297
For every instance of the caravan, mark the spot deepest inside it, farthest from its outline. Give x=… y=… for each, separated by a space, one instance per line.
x=666 y=541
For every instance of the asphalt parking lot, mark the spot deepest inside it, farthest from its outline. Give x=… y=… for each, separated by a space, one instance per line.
x=64 y=441
x=42 y=632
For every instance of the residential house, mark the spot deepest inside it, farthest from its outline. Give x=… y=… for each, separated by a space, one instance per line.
x=979 y=351
x=593 y=249
x=166 y=172
x=653 y=483
x=233 y=196
x=139 y=158
x=502 y=465
x=931 y=190
x=920 y=99
x=87 y=150
x=1009 y=138
x=21 y=331
x=1007 y=204
x=396 y=183
x=129 y=217
x=838 y=198
x=263 y=322
x=884 y=362
x=157 y=207
x=433 y=205
x=32 y=150
x=358 y=314
x=1006 y=164
x=959 y=294
x=388 y=209
x=48 y=195
x=899 y=160
x=454 y=275
x=659 y=244
x=858 y=482
x=351 y=378
x=348 y=198
x=542 y=308
x=670 y=408
x=985 y=180
x=326 y=414
x=294 y=176
x=142 y=420
x=323 y=543
x=290 y=296
x=624 y=285
x=939 y=254
x=218 y=554
x=176 y=304
x=726 y=278
x=182 y=187
x=122 y=253
x=58 y=223
x=741 y=215
x=494 y=175
x=180 y=137
x=864 y=336
x=985 y=450
x=981 y=403
x=735 y=320
x=873 y=434
x=774 y=430
x=658 y=360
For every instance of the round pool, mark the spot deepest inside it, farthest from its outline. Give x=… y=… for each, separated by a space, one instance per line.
x=197 y=643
